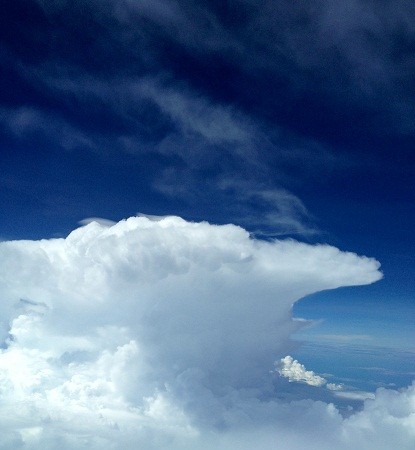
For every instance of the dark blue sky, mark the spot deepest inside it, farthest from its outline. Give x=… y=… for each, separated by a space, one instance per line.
x=289 y=118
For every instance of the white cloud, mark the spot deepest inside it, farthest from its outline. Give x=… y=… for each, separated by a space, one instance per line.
x=290 y=368
x=160 y=334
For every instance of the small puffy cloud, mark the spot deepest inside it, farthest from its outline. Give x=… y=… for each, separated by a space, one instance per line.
x=160 y=334
x=290 y=368
x=293 y=371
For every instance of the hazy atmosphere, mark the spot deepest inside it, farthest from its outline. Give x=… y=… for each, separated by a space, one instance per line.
x=206 y=228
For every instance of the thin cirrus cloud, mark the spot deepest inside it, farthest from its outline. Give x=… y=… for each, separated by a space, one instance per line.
x=153 y=111
x=340 y=60
x=202 y=129
x=161 y=333
x=197 y=131
x=28 y=123
x=140 y=106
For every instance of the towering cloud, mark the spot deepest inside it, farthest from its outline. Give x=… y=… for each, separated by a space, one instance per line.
x=159 y=333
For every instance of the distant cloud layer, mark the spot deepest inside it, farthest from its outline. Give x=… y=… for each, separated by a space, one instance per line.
x=161 y=333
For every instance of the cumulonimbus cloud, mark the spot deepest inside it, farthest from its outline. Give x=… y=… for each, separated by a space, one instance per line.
x=158 y=334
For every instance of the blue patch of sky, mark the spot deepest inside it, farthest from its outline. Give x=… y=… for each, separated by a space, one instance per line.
x=362 y=340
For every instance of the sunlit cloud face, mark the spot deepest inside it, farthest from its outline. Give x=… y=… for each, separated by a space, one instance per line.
x=160 y=333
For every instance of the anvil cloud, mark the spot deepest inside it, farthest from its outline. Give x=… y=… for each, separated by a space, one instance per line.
x=161 y=333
